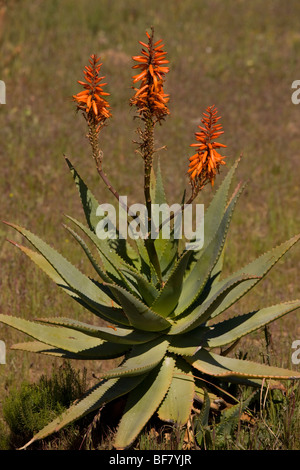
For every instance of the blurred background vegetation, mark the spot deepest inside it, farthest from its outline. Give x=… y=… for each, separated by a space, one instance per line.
x=241 y=56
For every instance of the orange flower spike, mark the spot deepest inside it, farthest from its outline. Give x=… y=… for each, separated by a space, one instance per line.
x=150 y=96
x=204 y=165
x=91 y=99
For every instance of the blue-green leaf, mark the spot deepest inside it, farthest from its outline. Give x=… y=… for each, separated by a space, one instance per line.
x=105 y=350
x=177 y=404
x=59 y=337
x=205 y=310
x=143 y=401
x=147 y=290
x=167 y=300
x=88 y=200
x=139 y=314
x=195 y=281
x=234 y=328
x=141 y=359
x=88 y=291
x=107 y=333
x=222 y=366
x=257 y=268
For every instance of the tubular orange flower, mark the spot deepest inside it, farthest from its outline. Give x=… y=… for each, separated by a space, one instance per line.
x=90 y=100
x=150 y=96
x=204 y=165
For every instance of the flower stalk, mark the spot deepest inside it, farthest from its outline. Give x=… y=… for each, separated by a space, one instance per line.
x=96 y=110
x=151 y=103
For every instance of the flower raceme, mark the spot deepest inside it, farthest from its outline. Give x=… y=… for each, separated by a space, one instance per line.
x=91 y=100
x=150 y=98
x=204 y=165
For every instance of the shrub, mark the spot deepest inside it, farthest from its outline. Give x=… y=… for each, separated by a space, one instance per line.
x=29 y=407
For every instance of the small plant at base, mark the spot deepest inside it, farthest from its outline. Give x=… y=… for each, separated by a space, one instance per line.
x=30 y=407
x=160 y=301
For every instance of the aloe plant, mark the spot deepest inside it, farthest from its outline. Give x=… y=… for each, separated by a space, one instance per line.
x=157 y=301
x=163 y=335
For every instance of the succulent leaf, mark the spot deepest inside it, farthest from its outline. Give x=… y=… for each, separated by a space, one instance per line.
x=177 y=404
x=205 y=310
x=169 y=256
x=63 y=338
x=88 y=200
x=216 y=209
x=142 y=358
x=217 y=269
x=139 y=314
x=107 y=333
x=83 y=286
x=201 y=422
x=106 y=350
x=227 y=367
x=194 y=283
x=167 y=300
x=43 y=264
x=143 y=401
x=259 y=268
x=230 y=418
x=147 y=290
x=88 y=253
x=146 y=267
x=111 y=260
x=167 y=248
x=159 y=198
x=187 y=344
x=234 y=328
x=90 y=206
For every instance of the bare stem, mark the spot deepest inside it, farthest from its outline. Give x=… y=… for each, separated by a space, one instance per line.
x=147 y=148
x=98 y=156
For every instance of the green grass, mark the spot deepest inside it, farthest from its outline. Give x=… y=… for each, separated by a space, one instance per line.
x=268 y=421
x=29 y=407
x=241 y=56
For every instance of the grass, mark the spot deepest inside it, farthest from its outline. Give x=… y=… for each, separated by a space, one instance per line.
x=29 y=407
x=266 y=420
x=242 y=58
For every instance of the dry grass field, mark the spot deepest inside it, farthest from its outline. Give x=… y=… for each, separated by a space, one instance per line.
x=241 y=56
